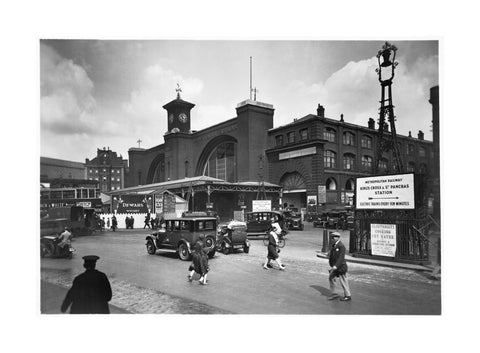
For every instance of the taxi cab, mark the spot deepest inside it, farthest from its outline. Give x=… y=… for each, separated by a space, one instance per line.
x=181 y=233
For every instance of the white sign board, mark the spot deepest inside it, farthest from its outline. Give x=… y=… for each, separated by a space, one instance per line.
x=85 y=204
x=322 y=194
x=261 y=205
x=386 y=192
x=383 y=239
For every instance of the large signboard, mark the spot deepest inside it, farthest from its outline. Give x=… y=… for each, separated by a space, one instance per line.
x=383 y=239
x=322 y=194
x=261 y=205
x=131 y=204
x=386 y=192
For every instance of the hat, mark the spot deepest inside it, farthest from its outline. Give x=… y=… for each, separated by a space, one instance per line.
x=335 y=234
x=90 y=258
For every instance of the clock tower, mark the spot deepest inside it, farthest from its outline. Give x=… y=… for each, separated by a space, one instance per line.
x=178 y=113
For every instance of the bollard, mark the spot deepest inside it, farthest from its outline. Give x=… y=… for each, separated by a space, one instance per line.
x=325 y=241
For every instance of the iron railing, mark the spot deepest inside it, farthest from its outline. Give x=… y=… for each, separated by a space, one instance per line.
x=411 y=244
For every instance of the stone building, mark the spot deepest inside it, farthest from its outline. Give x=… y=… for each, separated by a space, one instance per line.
x=108 y=169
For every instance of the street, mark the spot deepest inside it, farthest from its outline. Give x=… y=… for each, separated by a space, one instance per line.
x=238 y=284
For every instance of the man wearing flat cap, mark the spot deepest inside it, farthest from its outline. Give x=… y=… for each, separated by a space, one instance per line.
x=90 y=292
x=336 y=260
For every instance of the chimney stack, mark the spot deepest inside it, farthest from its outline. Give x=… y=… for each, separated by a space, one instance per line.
x=371 y=124
x=420 y=134
x=409 y=134
x=321 y=111
x=341 y=118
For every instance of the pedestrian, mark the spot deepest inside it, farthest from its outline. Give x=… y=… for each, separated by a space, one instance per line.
x=103 y=223
x=114 y=223
x=132 y=221
x=127 y=222
x=65 y=240
x=339 y=268
x=147 y=221
x=152 y=222
x=199 y=264
x=108 y=222
x=273 y=250
x=90 y=291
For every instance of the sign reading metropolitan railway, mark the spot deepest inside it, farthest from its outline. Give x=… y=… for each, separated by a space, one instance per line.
x=386 y=192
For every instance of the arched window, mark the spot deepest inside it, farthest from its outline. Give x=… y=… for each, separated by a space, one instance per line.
x=329 y=159
x=367 y=163
x=348 y=161
x=348 y=138
x=331 y=184
x=329 y=134
x=222 y=162
x=350 y=185
x=383 y=165
x=411 y=167
x=366 y=142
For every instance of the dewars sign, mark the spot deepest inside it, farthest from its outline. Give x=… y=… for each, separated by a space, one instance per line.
x=386 y=192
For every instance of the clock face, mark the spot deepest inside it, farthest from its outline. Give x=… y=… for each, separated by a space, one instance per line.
x=183 y=117
x=170 y=118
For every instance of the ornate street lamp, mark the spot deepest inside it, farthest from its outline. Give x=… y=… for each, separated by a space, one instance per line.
x=386 y=72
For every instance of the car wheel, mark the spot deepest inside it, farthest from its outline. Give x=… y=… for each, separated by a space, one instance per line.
x=183 y=252
x=151 y=247
x=225 y=249
x=46 y=249
x=209 y=242
x=246 y=249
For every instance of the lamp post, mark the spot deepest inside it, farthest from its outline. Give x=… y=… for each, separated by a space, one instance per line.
x=386 y=73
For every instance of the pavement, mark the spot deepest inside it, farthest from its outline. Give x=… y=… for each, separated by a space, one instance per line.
x=52 y=297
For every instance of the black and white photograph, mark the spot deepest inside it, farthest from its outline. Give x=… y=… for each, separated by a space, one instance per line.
x=188 y=176
x=162 y=154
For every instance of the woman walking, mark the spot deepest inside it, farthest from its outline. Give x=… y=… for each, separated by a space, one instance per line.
x=273 y=250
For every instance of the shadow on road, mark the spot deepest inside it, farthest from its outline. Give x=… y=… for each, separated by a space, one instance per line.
x=324 y=291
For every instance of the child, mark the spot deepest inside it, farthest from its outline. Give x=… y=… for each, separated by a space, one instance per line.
x=199 y=264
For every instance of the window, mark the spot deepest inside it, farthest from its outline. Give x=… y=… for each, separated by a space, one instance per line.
x=366 y=142
x=222 y=162
x=303 y=134
x=410 y=149
x=331 y=184
x=421 y=151
x=104 y=178
x=348 y=161
x=104 y=170
x=279 y=140
x=329 y=159
x=350 y=185
x=113 y=179
x=329 y=134
x=367 y=163
x=118 y=171
x=348 y=139
x=291 y=137
x=118 y=179
x=382 y=165
x=96 y=171
x=91 y=171
x=411 y=167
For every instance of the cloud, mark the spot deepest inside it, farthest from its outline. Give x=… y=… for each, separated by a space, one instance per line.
x=67 y=104
x=354 y=91
x=156 y=83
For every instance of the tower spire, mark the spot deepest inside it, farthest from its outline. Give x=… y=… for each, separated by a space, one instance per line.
x=178 y=90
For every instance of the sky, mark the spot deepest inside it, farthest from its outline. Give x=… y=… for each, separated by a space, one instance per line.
x=110 y=93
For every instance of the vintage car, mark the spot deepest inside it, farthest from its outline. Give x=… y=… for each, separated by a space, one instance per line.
x=181 y=233
x=334 y=219
x=293 y=220
x=260 y=222
x=232 y=235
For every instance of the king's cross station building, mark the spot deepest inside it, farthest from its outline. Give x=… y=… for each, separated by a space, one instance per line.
x=314 y=160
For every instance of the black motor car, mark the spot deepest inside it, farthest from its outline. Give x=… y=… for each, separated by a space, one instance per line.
x=260 y=222
x=232 y=235
x=293 y=220
x=181 y=233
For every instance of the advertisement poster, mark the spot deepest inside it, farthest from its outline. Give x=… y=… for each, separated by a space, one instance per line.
x=322 y=194
x=383 y=239
x=386 y=192
x=132 y=204
x=261 y=205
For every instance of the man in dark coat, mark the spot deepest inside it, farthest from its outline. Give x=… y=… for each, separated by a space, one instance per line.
x=90 y=292
x=336 y=260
